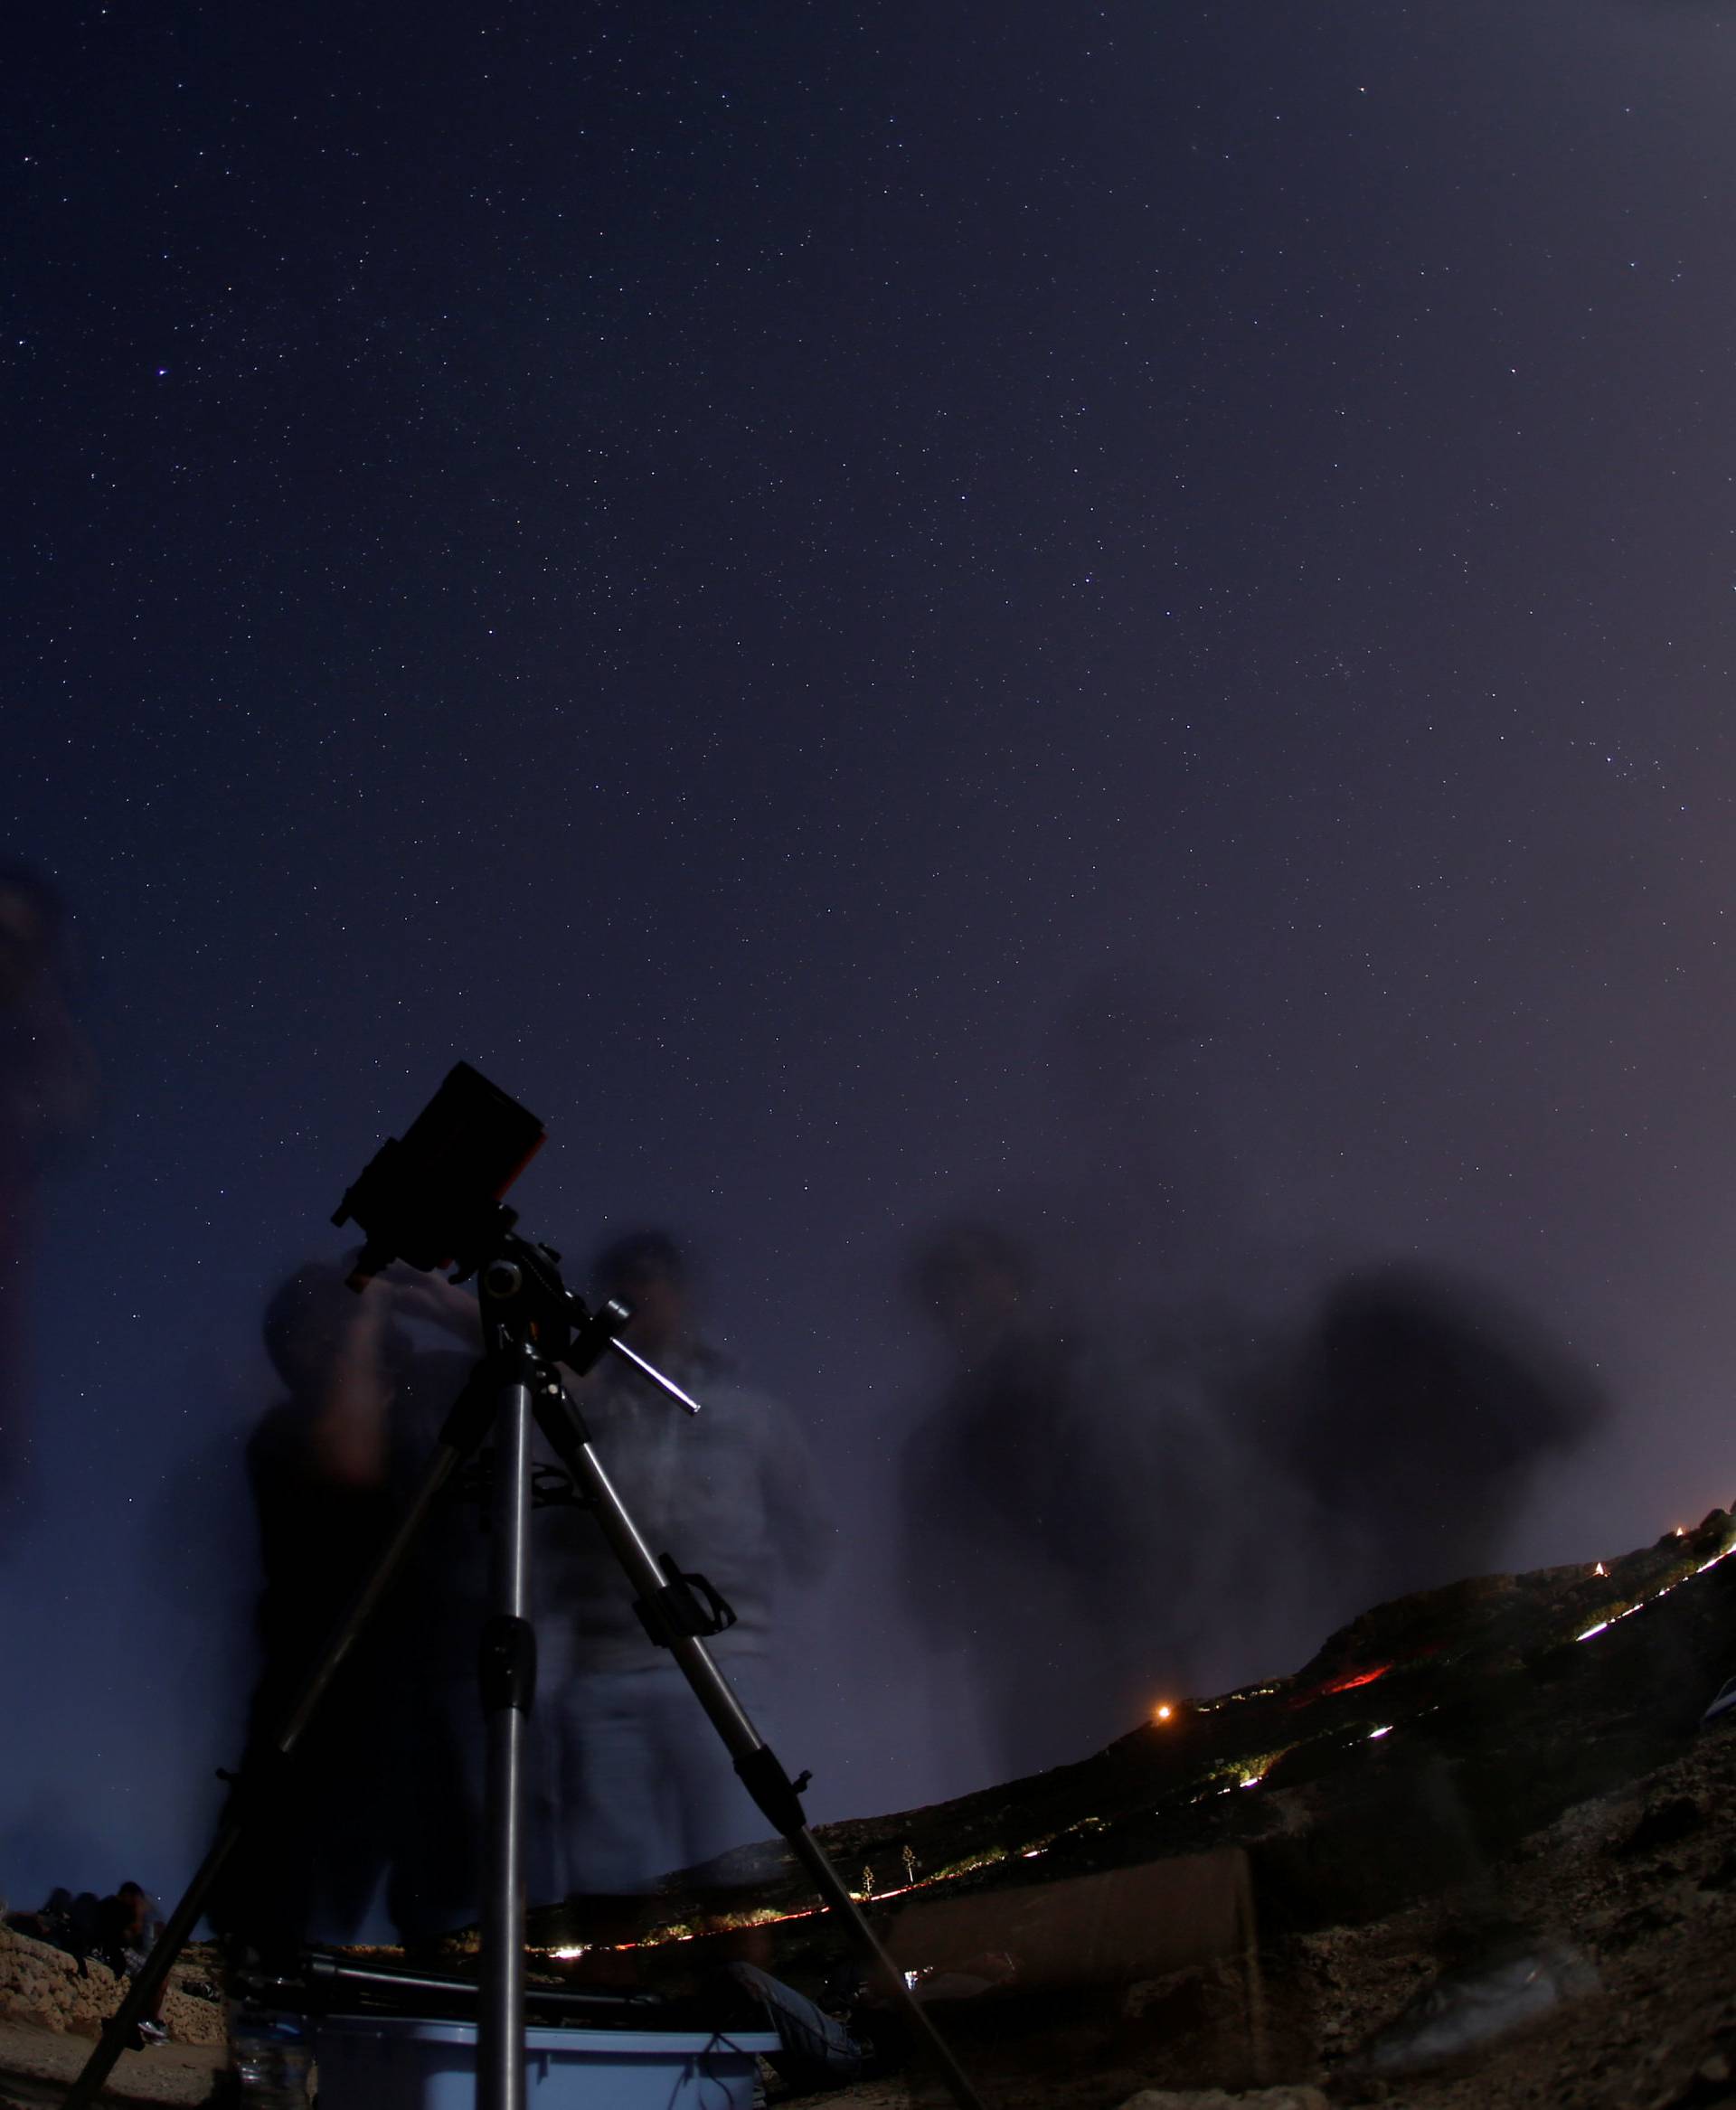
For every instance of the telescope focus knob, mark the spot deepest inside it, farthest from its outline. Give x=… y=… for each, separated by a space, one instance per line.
x=501 y=1280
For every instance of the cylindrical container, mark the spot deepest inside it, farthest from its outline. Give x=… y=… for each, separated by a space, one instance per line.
x=271 y=2059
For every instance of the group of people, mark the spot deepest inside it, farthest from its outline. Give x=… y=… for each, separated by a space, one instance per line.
x=1084 y=1508
x=625 y=1778
x=1084 y=1511
x=119 y=1930
x=1097 y=1511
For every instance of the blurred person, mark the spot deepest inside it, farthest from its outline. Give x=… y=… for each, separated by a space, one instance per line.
x=127 y=1928
x=634 y=1781
x=68 y=1922
x=47 y=1093
x=126 y=1925
x=1051 y=1510
x=120 y=1931
x=383 y=1783
x=1416 y=1412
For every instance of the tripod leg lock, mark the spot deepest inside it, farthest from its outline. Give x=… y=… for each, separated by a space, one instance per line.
x=686 y=1607
x=507 y=1664
x=779 y=1796
x=256 y=1786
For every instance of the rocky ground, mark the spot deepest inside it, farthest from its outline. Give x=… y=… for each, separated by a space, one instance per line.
x=53 y=2009
x=1454 y=1781
x=1500 y=1791
x=38 y=2065
x=1640 y=1885
x=39 y=1983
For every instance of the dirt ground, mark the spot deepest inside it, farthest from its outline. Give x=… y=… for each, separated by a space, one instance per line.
x=1641 y=1885
x=38 y=2066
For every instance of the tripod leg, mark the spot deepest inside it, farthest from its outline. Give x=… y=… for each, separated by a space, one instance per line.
x=761 y=1773
x=508 y=1687
x=121 y=2032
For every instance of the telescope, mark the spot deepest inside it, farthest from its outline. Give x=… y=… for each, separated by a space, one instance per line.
x=435 y=1199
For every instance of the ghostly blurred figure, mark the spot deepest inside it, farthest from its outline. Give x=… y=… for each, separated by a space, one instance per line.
x=1417 y=1412
x=382 y=1783
x=47 y=1092
x=1050 y=1506
x=634 y=1781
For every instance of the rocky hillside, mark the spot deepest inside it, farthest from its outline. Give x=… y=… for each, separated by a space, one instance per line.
x=1489 y=1856
x=1479 y=1853
x=1420 y=1742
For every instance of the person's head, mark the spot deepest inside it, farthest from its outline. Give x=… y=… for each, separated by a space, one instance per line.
x=971 y=1279
x=648 y=1270
x=307 y=1321
x=1419 y=1409
x=136 y=1902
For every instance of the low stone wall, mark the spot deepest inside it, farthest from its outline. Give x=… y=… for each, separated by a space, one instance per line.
x=42 y=1985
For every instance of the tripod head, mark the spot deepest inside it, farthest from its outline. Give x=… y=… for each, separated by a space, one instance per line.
x=522 y=1294
x=523 y=1297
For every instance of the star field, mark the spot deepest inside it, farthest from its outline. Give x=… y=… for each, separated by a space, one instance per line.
x=740 y=567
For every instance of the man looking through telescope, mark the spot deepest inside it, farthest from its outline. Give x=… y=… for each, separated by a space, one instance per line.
x=385 y=1783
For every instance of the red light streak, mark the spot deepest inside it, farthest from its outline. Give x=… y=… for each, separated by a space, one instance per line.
x=1360 y=1678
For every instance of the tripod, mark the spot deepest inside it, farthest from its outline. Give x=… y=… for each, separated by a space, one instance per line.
x=530 y=1323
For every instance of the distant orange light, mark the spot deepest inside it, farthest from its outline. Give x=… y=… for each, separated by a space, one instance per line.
x=1355 y=1679
x=1163 y=1713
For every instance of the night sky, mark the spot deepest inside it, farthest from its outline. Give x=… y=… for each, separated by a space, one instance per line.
x=1115 y=618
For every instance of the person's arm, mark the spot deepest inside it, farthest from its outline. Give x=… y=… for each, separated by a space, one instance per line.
x=347 y=1439
x=440 y=1303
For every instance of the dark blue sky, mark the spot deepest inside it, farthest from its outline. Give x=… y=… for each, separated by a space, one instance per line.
x=741 y=567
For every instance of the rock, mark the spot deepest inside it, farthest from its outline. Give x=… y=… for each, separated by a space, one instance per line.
x=42 y=1985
